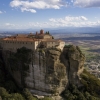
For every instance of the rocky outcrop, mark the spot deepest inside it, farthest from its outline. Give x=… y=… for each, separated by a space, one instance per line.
x=46 y=71
x=73 y=59
x=56 y=71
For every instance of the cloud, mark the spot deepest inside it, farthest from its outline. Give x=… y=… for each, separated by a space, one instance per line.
x=79 y=18
x=87 y=3
x=70 y=21
x=30 y=10
x=32 y=5
x=9 y=24
x=1 y=12
x=67 y=21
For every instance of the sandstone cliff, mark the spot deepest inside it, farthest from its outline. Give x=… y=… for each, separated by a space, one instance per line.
x=45 y=71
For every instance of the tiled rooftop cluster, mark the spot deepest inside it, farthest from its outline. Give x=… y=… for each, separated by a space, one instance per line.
x=36 y=40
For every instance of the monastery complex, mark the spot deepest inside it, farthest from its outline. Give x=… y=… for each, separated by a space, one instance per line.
x=31 y=41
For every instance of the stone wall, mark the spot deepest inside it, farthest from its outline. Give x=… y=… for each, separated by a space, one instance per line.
x=14 y=45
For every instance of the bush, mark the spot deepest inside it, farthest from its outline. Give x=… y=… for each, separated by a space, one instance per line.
x=4 y=93
x=74 y=93
x=28 y=95
x=6 y=96
x=17 y=96
x=46 y=98
x=91 y=83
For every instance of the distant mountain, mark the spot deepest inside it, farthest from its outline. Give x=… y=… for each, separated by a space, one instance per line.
x=77 y=30
x=55 y=31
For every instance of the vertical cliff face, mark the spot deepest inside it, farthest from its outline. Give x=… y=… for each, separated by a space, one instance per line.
x=48 y=74
x=73 y=59
x=45 y=71
x=55 y=71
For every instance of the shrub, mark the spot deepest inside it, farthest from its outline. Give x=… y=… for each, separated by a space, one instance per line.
x=28 y=95
x=91 y=83
x=46 y=98
x=6 y=96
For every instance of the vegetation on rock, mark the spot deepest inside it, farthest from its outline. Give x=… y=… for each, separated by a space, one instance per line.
x=20 y=61
x=21 y=57
x=90 y=89
x=90 y=83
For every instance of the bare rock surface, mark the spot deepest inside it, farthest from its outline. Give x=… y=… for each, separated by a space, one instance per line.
x=49 y=71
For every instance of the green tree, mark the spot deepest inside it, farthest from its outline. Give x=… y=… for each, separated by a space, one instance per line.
x=6 y=96
x=28 y=95
x=46 y=98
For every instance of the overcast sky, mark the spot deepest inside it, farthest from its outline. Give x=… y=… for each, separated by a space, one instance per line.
x=26 y=14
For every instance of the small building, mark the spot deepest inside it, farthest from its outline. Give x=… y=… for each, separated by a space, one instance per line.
x=43 y=35
x=53 y=43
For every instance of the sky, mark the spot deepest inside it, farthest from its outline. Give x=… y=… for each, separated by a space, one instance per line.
x=39 y=14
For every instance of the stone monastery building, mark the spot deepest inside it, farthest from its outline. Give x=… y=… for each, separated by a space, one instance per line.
x=30 y=41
